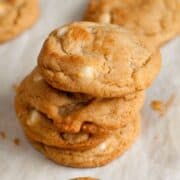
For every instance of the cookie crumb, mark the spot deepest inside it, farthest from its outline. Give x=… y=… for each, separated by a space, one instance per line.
x=2 y=134
x=16 y=141
x=162 y=107
x=84 y=178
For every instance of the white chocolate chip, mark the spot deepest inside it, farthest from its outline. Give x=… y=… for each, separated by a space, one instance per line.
x=3 y=8
x=37 y=78
x=105 y=18
x=62 y=31
x=102 y=146
x=87 y=72
x=33 y=118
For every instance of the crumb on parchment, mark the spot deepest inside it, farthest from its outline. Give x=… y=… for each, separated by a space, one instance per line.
x=16 y=141
x=2 y=134
x=162 y=107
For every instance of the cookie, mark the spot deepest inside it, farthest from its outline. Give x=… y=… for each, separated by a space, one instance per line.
x=72 y=112
x=101 y=60
x=104 y=153
x=41 y=129
x=157 y=21
x=16 y=16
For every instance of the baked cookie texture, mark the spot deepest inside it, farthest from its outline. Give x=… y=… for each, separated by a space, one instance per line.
x=101 y=60
x=69 y=120
x=72 y=112
x=81 y=104
x=16 y=16
x=157 y=21
x=104 y=153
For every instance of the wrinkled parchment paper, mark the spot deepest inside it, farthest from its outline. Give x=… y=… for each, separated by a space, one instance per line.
x=155 y=155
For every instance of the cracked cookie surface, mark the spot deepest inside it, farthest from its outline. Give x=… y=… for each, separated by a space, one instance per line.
x=64 y=119
x=16 y=16
x=111 y=148
x=73 y=112
x=101 y=60
x=157 y=21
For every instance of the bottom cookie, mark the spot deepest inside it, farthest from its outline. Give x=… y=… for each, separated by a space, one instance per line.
x=104 y=153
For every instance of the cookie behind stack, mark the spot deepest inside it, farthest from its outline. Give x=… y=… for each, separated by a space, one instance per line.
x=16 y=16
x=157 y=21
x=80 y=106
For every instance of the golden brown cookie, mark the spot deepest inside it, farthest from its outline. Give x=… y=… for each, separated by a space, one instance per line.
x=157 y=21
x=72 y=112
x=16 y=16
x=104 y=153
x=101 y=60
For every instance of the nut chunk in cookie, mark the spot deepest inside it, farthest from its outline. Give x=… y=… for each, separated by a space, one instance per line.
x=101 y=60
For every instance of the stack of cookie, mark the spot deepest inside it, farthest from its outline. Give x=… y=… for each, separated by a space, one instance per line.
x=80 y=106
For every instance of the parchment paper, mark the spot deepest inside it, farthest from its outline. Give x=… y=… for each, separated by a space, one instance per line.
x=155 y=155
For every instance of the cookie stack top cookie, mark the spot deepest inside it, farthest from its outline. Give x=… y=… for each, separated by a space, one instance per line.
x=101 y=60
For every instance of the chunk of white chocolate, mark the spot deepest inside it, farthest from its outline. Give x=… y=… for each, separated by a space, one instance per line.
x=62 y=31
x=33 y=118
x=87 y=72
x=103 y=146
x=105 y=18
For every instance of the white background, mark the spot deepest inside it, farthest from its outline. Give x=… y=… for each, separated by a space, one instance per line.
x=156 y=154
